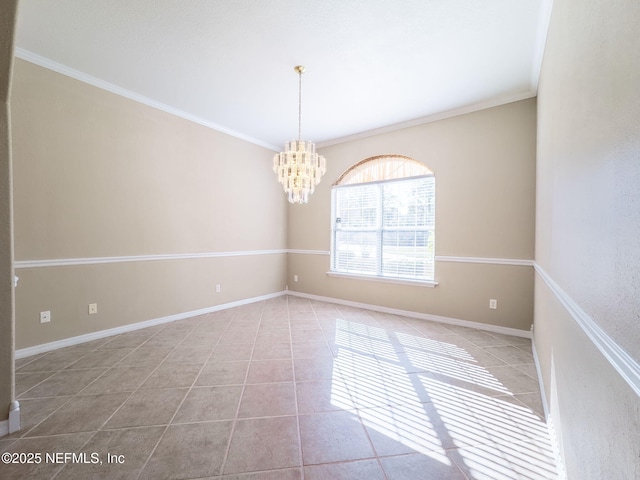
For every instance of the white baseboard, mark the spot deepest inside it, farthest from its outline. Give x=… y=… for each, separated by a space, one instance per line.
x=422 y=316
x=67 y=342
x=553 y=436
x=12 y=424
x=536 y=362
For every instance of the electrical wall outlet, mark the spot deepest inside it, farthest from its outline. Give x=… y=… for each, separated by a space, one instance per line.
x=295 y=278
x=93 y=308
x=493 y=303
x=218 y=288
x=45 y=317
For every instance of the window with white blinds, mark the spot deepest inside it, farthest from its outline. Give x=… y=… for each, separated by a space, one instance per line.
x=385 y=228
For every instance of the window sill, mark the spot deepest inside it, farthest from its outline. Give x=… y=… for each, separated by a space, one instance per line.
x=401 y=281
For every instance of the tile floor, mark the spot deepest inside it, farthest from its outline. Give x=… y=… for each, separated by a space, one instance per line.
x=285 y=389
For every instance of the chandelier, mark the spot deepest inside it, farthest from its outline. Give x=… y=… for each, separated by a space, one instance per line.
x=299 y=168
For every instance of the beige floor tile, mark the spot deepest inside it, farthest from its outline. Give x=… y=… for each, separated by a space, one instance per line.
x=148 y=407
x=206 y=339
x=304 y=322
x=277 y=322
x=173 y=375
x=25 y=381
x=490 y=461
x=166 y=339
x=145 y=356
x=527 y=368
x=534 y=402
x=425 y=467
x=189 y=451
x=511 y=355
x=272 y=443
x=52 y=361
x=311 y=350
x=514 y=380
x=399 y=429
x=431 y=328
x=101 y=358
x=485 y=357
x=211 y=325
x=323 y=396
x=237 y=336
x=204 y=404
x=307 y=335
x=21 y=362
x=270 y=371
x=121 y=454
x=483 y=339
x=318 y=368
x=511 y=340
x=33 y=411
x=80 y=414
x=267 y=400
x=271 y=336
x=359 y=470
x=127 y=340
x=287 y=474
x=119 y=379
x=229 y=353
x=189 y=354
x=223 y=373
x=333 y=437
x=273 y=351
x=66 y=382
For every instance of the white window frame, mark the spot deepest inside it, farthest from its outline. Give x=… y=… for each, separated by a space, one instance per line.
x=379 y=229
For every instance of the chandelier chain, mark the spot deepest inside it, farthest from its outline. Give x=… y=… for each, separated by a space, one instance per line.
x=299 y=104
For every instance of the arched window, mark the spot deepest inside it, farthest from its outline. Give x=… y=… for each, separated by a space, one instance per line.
x=383 y=220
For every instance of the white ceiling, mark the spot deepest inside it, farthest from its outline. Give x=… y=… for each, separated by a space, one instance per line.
x=372 y=65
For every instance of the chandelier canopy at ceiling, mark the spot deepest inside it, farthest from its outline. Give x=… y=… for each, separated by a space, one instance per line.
x=299 y=168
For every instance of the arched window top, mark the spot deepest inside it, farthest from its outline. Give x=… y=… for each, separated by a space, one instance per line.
x=382 y=167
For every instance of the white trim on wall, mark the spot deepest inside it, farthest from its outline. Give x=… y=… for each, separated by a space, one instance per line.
x=421 y=316
x=65 y=262
x=309 y=252
x=625 y=365
x=67 y=342
x=486 y=260
x=123 y=92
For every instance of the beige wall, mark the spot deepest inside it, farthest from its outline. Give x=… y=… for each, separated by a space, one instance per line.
x=588 y=229
x=98 y=175
x=484 y=164
x=7 y=25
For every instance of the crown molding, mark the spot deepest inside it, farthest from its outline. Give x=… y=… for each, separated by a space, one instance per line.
x=474 y=107
x=123 y=92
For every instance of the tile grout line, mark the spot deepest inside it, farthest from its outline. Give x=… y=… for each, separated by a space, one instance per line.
x=366 y=432
x=24 y=435
x=244 y=385
x=295 y=391
x=166 y=427
x=117 y=409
